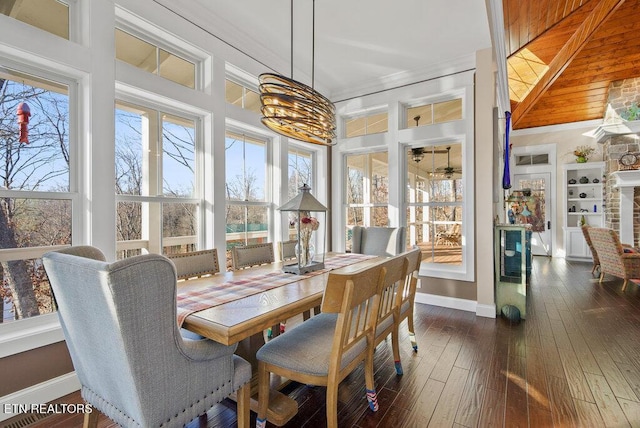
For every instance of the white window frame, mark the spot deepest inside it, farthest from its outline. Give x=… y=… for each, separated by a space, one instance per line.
x=269 y=179
x=25 y=334
x=366 y=189
x=150 y=33
x=197 y=199
x=361 y=114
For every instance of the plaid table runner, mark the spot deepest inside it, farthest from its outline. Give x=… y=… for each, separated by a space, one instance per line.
x=198 y=300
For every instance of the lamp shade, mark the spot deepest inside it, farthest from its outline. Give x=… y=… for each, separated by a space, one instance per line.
x=303 y=201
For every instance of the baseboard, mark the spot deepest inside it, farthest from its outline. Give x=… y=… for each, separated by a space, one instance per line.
x=41 y=393
x=447 y=302
x=488 y=311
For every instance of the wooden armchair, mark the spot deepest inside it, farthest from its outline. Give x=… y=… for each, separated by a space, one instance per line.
x=612 y=256
x=450 y=237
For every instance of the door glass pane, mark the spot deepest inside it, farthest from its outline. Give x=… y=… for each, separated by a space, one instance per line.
x=533 y=207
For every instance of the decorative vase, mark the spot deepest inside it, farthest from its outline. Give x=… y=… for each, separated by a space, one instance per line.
x=584 y=180
x=581 y=159
x=307 y=253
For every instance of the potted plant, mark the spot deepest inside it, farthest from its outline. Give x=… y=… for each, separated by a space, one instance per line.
x=582 y=153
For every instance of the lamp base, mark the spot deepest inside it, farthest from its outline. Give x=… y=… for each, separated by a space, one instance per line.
x=301 y=270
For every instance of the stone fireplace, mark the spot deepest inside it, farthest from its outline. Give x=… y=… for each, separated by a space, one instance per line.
x=622 y=197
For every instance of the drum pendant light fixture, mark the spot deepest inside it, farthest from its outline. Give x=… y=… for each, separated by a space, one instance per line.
x=294 y=109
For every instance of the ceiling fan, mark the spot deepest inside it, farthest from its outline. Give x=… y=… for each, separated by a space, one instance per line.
x=448 y=171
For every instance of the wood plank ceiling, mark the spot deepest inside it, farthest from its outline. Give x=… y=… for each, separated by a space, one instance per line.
x=563 y=55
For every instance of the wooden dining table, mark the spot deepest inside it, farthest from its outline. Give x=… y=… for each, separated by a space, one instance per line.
x=244 y=318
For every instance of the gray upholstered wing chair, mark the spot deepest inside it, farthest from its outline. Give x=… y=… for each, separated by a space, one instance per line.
x=119 y=321
x=378 y=241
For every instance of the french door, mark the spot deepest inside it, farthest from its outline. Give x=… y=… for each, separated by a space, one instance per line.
x=538 y=210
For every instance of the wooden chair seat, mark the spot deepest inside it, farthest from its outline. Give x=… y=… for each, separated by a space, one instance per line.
x=329 y=346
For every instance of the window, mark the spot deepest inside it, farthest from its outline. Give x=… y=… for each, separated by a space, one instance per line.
x=158 y=202
x=48 y=15
x=36 y=201
x=246 y=188
x=153 y=59
x=242 y=96
x=429 y=114
x=367 y=191
x=300 y=172
x=372 y=123
x=535 y=159
x=435 y=202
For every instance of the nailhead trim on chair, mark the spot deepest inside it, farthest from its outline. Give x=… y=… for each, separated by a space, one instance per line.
x=123 y=419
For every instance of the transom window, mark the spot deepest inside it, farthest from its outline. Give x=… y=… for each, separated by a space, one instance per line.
x=431 y=113
x=242 y=96
x=49 y=15
x=371 y=123
x=149 y=57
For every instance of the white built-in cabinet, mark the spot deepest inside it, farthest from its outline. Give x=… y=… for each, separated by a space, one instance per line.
x=583 y=198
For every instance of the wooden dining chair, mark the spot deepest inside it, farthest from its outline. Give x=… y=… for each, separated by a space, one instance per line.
x=244 y=256
x=390 y=293
x=414 y=258
x=329 y=346
x=195 y=264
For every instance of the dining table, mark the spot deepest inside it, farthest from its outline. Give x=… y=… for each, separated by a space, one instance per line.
x=236 y=307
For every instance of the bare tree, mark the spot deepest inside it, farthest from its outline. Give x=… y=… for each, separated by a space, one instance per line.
x=33 y=166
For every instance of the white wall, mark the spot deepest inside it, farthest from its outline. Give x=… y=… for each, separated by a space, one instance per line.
x=566 y=138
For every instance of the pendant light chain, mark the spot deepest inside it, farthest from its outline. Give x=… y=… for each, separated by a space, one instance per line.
x=293 y=109
x=291 y=39
x=313 y=44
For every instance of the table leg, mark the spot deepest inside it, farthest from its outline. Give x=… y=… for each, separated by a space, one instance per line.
x=281 y=407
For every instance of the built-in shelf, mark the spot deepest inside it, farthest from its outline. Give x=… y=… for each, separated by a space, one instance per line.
x=573 y=206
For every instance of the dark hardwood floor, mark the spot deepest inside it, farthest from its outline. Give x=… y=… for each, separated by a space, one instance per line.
x=574 y=362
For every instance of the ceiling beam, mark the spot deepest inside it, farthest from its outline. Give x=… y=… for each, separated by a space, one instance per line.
x=600 y=13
